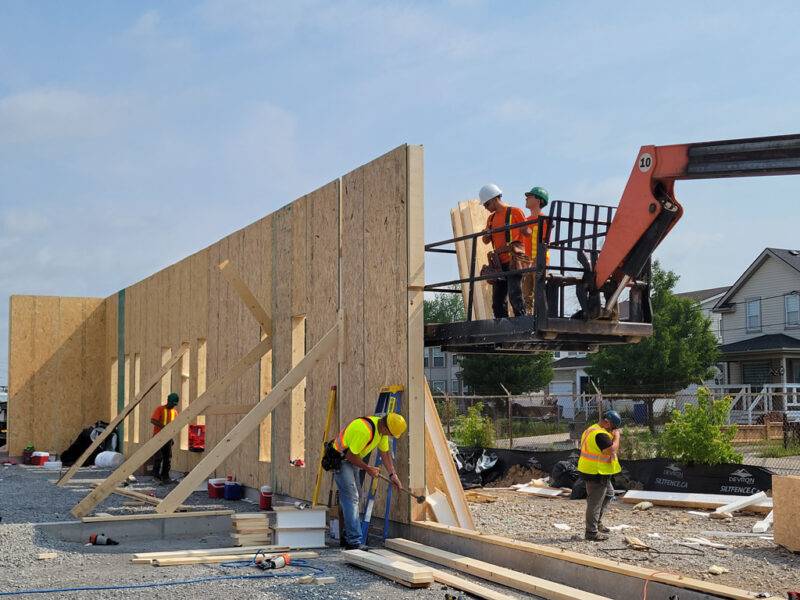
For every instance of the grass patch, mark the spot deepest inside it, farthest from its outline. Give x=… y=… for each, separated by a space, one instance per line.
x=525 y=428
x=776 y=450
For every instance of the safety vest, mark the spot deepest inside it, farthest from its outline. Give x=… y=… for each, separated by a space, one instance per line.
x=592 y=460
x=342 y=443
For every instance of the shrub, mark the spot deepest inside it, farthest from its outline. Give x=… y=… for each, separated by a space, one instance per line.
x=700 y=435
x=636 y=444
x=473 y=429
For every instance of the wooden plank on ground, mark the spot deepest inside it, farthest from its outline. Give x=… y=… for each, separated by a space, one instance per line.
x=119 y=418
x=396 y=570
x=454 y=581
x=222 y=558
x=145 y=517
x=686 y=500
x=455 y=491
x=707 y=587
x=514 y=579
x=149 y=448
x=248 y=423
x=786 y=494
x=238 y=550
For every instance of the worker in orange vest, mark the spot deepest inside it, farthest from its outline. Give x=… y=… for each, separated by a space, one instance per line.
x=535 y=201
x=505 y=245
x=162 y=416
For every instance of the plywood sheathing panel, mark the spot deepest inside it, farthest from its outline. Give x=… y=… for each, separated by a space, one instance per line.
x=786 y=501
x=323 y=290
x=54 y=380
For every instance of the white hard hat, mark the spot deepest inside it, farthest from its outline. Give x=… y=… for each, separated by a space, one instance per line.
x=488 y=192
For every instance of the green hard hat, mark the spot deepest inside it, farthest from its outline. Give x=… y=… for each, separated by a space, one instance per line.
x=541 y=194
x=173 y=398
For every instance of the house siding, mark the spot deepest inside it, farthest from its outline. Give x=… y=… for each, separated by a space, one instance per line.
x=773 y=278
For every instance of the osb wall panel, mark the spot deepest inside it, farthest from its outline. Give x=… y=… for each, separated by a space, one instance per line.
x=345 y=244
x=57 y=370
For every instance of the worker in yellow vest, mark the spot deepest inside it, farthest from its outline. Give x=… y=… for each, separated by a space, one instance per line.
x=346 y=453
x=597 y=465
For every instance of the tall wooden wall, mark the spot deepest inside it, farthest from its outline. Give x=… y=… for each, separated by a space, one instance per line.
x=57 y=370
x=355 y=243
x=351 y=243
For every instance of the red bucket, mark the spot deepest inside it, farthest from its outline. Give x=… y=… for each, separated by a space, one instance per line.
x=265 y=498
x=216 y=488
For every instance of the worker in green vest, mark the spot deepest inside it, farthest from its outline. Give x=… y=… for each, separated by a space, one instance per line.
x=597 y=465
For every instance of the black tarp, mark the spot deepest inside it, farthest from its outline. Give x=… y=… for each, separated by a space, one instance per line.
x=655 y=474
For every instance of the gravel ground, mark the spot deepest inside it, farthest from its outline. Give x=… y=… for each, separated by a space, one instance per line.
x=28 y=496
x=755 y=564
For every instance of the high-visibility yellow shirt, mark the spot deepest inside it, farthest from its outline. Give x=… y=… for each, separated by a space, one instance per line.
x=361 y=438
x=592 y=461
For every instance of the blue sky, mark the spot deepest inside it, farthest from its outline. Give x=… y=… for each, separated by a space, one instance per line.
x=132 y=134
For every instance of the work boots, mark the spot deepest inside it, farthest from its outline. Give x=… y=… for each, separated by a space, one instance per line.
x=596 y=537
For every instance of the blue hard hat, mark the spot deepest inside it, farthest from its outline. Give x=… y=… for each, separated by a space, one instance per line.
x=613 y=417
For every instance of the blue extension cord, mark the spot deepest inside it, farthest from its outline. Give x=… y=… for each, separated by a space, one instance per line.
x=133 y=586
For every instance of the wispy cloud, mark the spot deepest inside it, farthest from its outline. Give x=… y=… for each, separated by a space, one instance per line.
x=52 y=114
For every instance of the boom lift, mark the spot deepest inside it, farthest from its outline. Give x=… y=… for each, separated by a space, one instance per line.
x=601 y=251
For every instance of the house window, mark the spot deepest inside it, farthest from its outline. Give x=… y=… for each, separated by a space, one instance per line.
x=438 y=357
x=439 y=387
x=754 y=315
x=455 y=384
x=791 y=303
x=425 y=360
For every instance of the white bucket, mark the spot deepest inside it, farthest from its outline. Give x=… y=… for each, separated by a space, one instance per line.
x=109 y=459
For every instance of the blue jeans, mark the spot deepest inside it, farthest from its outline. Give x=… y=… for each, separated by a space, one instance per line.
x=345 y=479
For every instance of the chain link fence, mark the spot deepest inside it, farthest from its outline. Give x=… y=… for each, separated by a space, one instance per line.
x=767 y=438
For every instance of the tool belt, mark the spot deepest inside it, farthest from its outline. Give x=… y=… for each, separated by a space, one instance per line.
x=519 y=260
x=331 y=458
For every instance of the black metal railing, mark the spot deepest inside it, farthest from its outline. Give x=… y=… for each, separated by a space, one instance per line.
x=569 y=229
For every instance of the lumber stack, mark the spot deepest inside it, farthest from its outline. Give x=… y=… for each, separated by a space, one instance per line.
x=470 y=217
x=409 y=575
x=250 y=529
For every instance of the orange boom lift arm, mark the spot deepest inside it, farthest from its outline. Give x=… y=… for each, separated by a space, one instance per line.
x=648 y=209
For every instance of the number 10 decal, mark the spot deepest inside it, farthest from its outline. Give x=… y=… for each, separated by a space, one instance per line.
x=645 y=162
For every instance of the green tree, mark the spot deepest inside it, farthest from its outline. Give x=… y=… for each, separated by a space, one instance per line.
x=473 y=429
x=700 y=435
x=484 y=373
x=680 y=352
x=444 y=308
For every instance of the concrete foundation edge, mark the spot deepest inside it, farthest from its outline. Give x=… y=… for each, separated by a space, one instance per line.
x=598 y=581
x=145 y=529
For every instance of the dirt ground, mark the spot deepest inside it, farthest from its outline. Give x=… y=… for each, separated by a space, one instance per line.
x=755 y=564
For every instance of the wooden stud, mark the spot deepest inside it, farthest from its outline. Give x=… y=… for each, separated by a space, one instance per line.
x=455 y=491
x=208 y=552
x=514 y=579
x=248 y=424
x=400 y=571
x=142 y=454
x=454 y=581
x=202 y=560
x=247 y=296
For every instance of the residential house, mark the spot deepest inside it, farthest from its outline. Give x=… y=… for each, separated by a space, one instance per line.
x=570 y=379
x=761 y=322
x=443 y=371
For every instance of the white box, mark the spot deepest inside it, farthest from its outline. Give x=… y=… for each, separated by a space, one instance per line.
x=299 y=537
x=288 y=517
